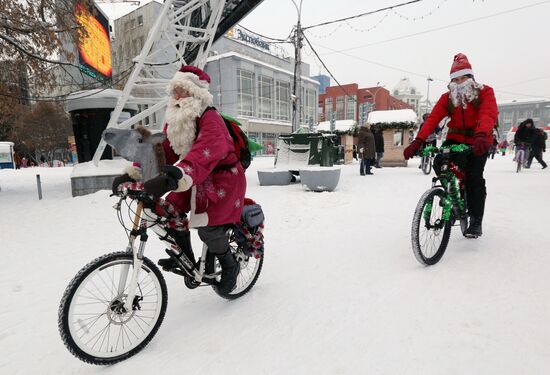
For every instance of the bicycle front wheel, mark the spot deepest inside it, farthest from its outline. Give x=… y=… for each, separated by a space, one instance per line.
x=430 y=231
x=93 y=322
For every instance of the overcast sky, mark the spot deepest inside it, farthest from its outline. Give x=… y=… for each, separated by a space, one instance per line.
x=506 y=41
x=508 y=49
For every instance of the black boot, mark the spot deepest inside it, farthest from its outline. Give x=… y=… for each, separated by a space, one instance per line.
x=183 y=240
x=230 y=271
x=474 y=229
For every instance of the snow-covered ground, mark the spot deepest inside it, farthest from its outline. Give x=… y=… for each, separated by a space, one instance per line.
x=340 y=292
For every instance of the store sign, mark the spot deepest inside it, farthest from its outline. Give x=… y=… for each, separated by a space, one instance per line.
x=94 y=48
x=236 y=33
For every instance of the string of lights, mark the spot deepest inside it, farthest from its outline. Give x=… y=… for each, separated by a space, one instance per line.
x=418 y=18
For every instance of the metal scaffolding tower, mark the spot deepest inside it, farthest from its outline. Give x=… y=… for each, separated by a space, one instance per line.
x=182 y=34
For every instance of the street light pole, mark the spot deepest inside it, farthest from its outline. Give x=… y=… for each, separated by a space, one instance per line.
x=297 y=87
x=428 y=104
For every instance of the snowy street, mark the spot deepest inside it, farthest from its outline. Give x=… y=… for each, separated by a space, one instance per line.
x=340 y=292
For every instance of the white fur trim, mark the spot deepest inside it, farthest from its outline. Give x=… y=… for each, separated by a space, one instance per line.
x=184 y=183
x=462 y=72
x=134 y=172
x=196 y=220
x=191 y=83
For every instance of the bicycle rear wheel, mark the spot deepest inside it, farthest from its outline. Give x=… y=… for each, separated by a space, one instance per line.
x=93 y=323
x=430 y=232
x=251 y=268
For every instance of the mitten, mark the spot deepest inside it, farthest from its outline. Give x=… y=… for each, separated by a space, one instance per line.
x=481 y=144
x=171 y=178
x=120 y=180
x=411 y=149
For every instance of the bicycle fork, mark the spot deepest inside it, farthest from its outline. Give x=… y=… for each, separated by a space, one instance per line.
x=139 y=228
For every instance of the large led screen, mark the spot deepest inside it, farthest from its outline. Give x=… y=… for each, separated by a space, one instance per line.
x=94 y=48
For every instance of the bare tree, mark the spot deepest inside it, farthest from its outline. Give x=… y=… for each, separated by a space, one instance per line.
x=45 y=127
x=33 y=34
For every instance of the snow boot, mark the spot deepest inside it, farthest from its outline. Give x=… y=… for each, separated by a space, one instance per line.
x=230 y=270
x=183 y=240
x=474 y=229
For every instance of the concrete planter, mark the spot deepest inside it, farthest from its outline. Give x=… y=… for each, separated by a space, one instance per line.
x=320 y=179
x=274 y=177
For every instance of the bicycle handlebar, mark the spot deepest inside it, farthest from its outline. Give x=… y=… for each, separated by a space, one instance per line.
x=459 y=148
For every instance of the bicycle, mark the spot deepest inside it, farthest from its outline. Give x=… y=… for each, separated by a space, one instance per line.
x=522 y=156
x=441 y=206
x=115 y=304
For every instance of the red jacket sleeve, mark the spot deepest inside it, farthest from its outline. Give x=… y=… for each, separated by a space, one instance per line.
x=488 y=111
x=439 y=112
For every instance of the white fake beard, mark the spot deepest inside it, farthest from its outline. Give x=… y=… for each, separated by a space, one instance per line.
x=464 y=93
x=181 y=116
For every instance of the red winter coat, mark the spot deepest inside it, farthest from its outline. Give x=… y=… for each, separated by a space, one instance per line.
x=465 y=122
x=219 y=183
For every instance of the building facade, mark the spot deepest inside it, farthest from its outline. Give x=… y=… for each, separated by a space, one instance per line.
x=349 y=102
x=324 y=82
x=130 y=33
x=252 y=81
x=407 y=92
x=513 y=112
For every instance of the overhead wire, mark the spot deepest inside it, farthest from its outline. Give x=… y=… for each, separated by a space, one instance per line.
x=446 y=26
x=362 y=14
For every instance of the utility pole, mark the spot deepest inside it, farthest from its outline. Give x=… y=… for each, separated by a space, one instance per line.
x=297 y=87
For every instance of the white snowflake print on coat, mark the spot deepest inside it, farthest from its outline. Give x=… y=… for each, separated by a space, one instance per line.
x=237 y=203
x=188 y=169
x=221 y=193
x=206 y=153
x=234 y=170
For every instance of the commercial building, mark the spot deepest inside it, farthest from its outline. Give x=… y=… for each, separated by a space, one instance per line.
x=252 y=80
x=349 y=102
x=513 y=112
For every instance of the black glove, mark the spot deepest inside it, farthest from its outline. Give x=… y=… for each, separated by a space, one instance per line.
x=165 y=182
x=411 y=149
x=120 y=180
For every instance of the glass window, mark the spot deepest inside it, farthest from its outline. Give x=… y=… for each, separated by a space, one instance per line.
x=398 y=137
x=350 y=107
x=140 y=20
x=340 y=105
x=265 y=96
x=328 y=104
x=269 y=141
x=245 y=89
x=282 y=98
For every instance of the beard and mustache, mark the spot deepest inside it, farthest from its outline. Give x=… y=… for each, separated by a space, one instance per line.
x=464 y=93
x=181 y=116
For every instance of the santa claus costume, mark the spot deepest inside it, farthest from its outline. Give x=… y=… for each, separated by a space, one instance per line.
x=212 y=184
x=473 y=113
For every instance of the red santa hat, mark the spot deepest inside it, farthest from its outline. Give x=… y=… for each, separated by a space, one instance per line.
x=461 y=66
x=193 y=80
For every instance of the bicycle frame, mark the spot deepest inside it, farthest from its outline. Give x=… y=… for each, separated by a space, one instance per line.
x=450 y=178
x=140 y=224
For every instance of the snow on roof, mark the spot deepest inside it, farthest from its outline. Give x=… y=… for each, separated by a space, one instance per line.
x=339 y=125
x=117 y=10
x=396 y=115
x=523 y=101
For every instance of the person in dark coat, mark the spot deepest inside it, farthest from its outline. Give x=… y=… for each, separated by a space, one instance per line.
x=367 y=149
x=538 y=146
x=525 y=132
x=379 y=144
